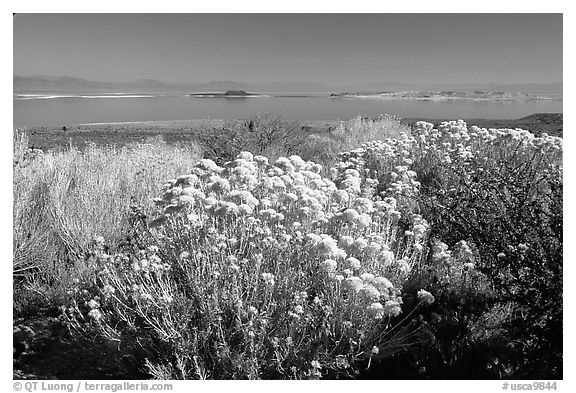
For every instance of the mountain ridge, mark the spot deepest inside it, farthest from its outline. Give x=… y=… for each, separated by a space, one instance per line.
x=44 y=83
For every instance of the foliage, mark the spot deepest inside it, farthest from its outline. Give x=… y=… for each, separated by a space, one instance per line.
x=262 y=134
x=326 y=147
x=258 y=270
x=502 y=191
x=63 y=199
x=274 y=137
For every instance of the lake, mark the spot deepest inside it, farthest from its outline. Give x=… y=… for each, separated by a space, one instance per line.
x=46 y=110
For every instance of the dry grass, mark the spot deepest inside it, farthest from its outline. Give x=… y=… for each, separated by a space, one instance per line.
x=352 y=134
x=62 y=200
x=324 y=148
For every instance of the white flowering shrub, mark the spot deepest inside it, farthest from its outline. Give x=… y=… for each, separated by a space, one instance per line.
x=384 y=167
x=504 y=191
x=260 y=270
x=500 y=189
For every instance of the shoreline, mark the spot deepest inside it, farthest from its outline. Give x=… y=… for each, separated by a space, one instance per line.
x=210 y=121
x=185 y=131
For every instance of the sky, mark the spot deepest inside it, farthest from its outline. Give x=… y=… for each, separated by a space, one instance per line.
x=333 y=49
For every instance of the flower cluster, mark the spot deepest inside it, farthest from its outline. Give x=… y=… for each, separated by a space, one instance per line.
x=287 y=204
x=277 y=244
x=452 y=143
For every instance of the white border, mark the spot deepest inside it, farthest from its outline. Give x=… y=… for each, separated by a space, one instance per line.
x=301 y=6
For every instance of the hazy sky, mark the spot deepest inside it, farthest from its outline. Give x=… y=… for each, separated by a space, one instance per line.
x=336 y=49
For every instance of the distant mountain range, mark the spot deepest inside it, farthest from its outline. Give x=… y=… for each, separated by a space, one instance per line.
x=40 y=84
x=65 y=84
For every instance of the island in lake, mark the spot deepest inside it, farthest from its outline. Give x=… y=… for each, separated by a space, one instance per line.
x=443 y=95
x=227 y=94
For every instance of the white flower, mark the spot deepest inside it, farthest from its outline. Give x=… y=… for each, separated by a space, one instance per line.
x=95 y=314
x=368 y=277
x=268 y=279
x=376 y=310
x=93 y=304
x=337 y=277
x=352 y=263
x=425 y=297
x=252 y=310
x=346 y=241
x=360 y=244
x=312 y=239
x=293 y=315
x=145 y=297
x=373 y=249
x=403 y=267
x=370 y=292
x=155 y=259
x=353 y=284
x=392 y=308
x=340 y=254
x=341 y=196
x=208 y=165
x=363 y=220
x=350 y=214
x=184 y=200
x=328 y=265
x=167 y=299
x=246 y=155
x=363 y=205
x=382 y=283
x=261 y=160
x=523 y=247
x=108 y=289
x=274 y=341
x=245 y=209
x=327 y=246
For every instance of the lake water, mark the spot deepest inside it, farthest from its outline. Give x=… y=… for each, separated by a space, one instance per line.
x=44 y=110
